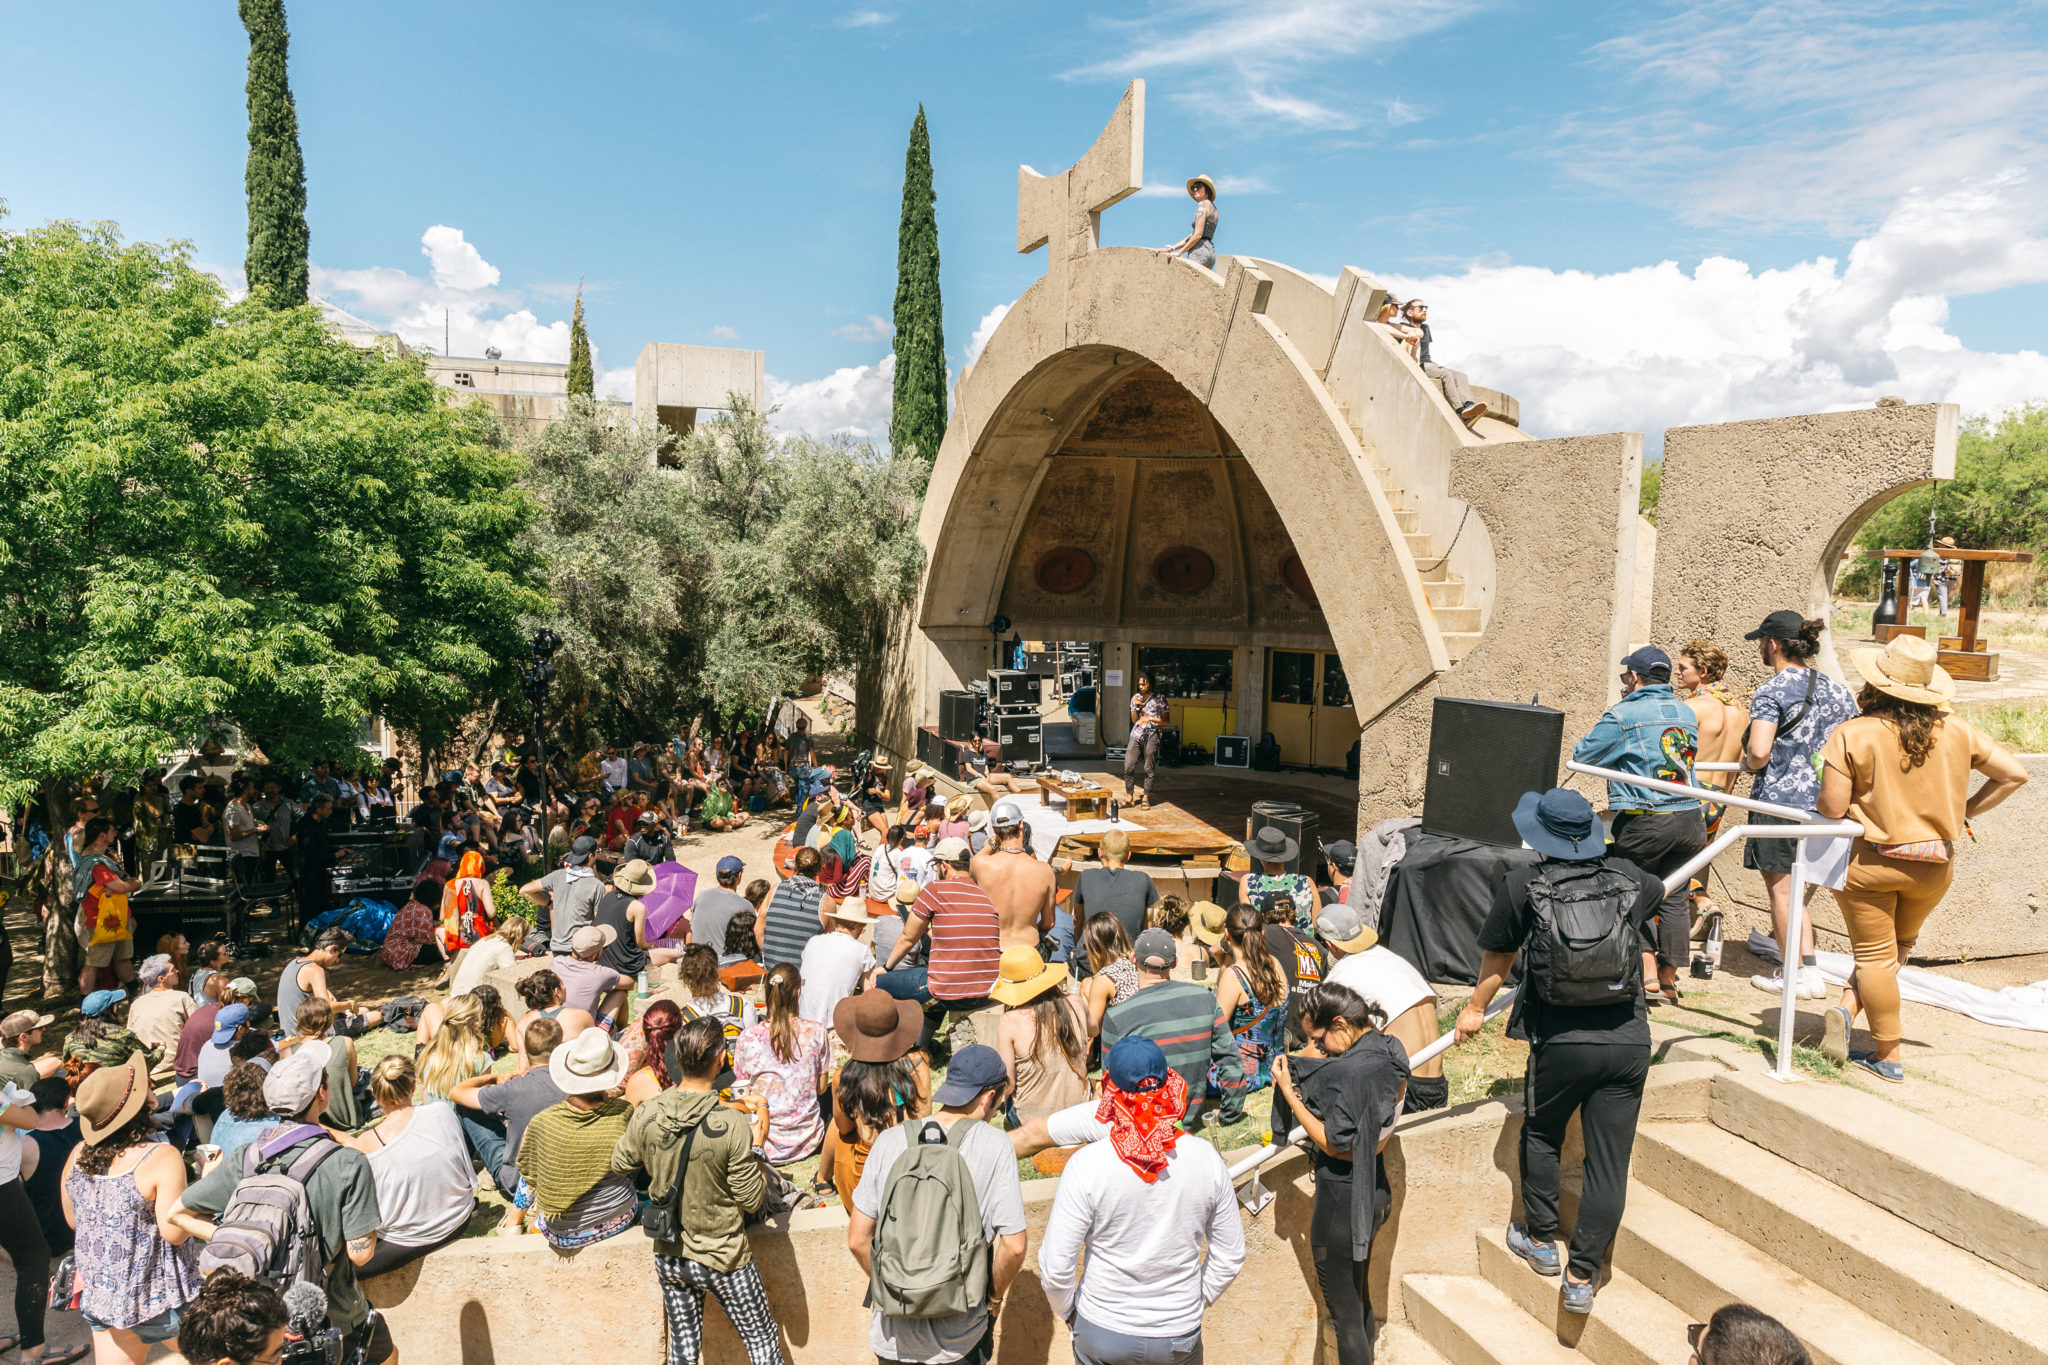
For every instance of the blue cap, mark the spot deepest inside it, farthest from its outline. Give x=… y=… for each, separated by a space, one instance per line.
x=1646 y=662
x=729 y=864
x=1560 y=823
x=226 y=1022
x=1136 y=1065
x=974 y=1068
x=99 y=1002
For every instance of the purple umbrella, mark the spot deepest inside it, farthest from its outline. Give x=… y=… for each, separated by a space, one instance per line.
x=675 y=891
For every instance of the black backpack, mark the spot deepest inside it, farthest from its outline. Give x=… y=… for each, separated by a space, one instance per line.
x=1583 y=945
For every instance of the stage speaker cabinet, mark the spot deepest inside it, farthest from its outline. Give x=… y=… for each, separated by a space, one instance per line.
x=1021 y=733
x=1302 y=826
x=1169 y=746
x=931 y=750
x=1233 y=751
x=1013 y=687
x=957 y=715
x=1483 y=755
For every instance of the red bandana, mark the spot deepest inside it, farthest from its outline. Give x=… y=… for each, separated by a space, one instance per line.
x=1143 y=1127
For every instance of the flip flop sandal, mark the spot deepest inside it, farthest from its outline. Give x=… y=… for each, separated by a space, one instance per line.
x=76 y=1353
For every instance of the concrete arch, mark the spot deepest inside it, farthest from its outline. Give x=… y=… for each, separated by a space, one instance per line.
x=1066 y=340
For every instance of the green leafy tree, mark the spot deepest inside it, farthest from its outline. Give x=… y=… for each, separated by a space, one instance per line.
x=582 y=379
x=224 y=516
x=275 y=176
x=1652 y=485
x=917 y=420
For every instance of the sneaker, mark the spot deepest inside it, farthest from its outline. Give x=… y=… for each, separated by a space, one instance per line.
x=1834 y=1040
x=1769 y=985
x=1812 y=985
x=1578 y=1296
x=1541 y=1256
x=1472 y=412
x=1884 y=1071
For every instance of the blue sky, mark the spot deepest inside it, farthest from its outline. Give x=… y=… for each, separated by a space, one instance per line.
x=1631 y=216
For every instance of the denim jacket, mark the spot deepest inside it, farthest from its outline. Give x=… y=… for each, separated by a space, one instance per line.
x=1650 y=732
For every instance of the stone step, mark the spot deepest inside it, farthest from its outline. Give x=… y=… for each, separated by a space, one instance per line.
x=1434 y=572
x=1444 y=592
x=1954 y=1186
x=1928 y=1289
x=1459 y=643
x=1397 y=1344
x=1421 y=547
x=1408 y=519
x=1697 y=1267
x=1629 y=1324
x=1461 y=620
x=1469 y=1322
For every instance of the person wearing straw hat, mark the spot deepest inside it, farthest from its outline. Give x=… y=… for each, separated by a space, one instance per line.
x=1199 y=245
x=1043 y=1035
x=835 y=964
x=565 y=1159
x=1902 y=768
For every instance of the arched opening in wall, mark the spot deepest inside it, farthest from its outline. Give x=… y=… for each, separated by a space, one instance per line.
x=1149 y=540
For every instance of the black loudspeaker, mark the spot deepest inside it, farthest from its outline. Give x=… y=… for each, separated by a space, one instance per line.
x=1233 y=751
x=1169 y=746
x=957 y=715
x=1020 y=732
x=1013 y=687
x=1482 y=756
x=1302 y=826
x=931 y=750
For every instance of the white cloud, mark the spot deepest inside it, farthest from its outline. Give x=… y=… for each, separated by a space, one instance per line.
x=855 y=400
x=457 y=309
x=1259 y=52
x=1656 y=346
x=866 y=18
x=1225 y=185
x=985 y=329
x=872 y=329
x=615 y=383
x=723 y=333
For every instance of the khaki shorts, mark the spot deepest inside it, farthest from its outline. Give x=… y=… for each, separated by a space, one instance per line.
x=106 y=954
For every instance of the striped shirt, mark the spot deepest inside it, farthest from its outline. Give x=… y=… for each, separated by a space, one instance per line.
x=1183 y=1019
x=964 y=936
x=792 y=922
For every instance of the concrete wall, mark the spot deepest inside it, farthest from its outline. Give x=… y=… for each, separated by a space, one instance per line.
x=670 y=376
x=1753 y=516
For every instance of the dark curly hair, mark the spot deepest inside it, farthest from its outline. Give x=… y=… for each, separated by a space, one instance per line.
x=231 y=1319
x=94 y=1158
x=1918 y=725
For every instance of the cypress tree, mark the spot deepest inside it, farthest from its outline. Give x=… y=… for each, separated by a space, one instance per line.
x=275 y=178
x=581 y=377
x=918 y=418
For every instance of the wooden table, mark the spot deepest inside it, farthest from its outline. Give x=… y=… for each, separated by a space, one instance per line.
x=1963 y=654
x=1083 y=802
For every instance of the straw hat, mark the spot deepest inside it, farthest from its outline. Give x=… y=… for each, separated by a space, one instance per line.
x=635 y=878
x=1023 y=976
x=113 y=1095
x=1947 y=543
x=1906 y=669
x=1207 y=917
x=957 y=806
x=1195 y=180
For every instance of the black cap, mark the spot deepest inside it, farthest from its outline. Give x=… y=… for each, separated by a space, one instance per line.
x=1779 y=625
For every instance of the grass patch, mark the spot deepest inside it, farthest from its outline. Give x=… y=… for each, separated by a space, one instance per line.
x=1808 y=1059
x=2021 y=726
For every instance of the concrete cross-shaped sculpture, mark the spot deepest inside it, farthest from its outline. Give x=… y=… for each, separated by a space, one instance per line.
x=1062 y=212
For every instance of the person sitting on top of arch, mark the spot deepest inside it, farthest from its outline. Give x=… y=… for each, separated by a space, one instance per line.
x=1199 y=245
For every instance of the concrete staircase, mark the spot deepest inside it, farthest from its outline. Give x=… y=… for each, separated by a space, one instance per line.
x=1457 y=621
x=1877 y=1236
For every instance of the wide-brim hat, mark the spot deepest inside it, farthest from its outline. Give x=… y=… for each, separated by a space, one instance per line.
x=850 y=912
x=588 y=1064
x=1195 y=180
x=635 y=878
x=1947 y=543
x=958 y=805
x=877 y=1027
x=1560 y=823
x=1022 y=975
x=1271 y=845
x=1207 y=918
x=906 y=890
x=880 y=763
x=1906 y=669
x=113 y=1095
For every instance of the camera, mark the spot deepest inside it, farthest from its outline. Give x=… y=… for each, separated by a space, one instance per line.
x=322 y=1347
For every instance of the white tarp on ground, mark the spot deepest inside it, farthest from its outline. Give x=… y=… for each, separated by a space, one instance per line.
x=1048 y=826
x=2014 y=1007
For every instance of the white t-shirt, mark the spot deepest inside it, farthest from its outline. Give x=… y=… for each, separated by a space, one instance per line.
x=485 y=956
x=425 y=1187
x=1384 y=978
x=831 y=967
x=882 y=874
x=915 y=862
x=614 y=772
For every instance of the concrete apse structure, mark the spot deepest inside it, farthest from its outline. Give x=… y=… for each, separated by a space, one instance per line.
x=1162 y=457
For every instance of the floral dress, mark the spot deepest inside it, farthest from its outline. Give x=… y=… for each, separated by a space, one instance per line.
x=130 y=1273
x=795 y=1127
x=412 y=929
x=1261 y=1034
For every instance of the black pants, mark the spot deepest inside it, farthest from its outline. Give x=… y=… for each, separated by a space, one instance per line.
x=1426 y=1093
x=1603 y=1084
x=21 y=1237
x=1661 y=842
x=1347 y=1297
x=1141 y=760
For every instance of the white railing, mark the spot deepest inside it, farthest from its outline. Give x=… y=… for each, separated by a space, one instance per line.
x=1805 y=825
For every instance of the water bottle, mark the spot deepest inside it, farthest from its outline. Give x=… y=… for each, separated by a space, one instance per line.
x=641 y=988
x=1113 y=808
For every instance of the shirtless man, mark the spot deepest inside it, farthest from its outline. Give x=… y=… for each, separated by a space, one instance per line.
x=1696 y=677
x=1019 y=884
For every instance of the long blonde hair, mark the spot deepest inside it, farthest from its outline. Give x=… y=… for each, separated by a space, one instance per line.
x=513 y=930
x=459 y=1050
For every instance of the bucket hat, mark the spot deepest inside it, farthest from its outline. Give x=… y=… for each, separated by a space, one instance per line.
x=1560 y=823
x=588 y=1064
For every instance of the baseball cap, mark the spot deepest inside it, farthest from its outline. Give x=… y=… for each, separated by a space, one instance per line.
x=1008 y=815
x=1779 y=625
x=974 y=1068
x=592 y=938
x=242 y=985
x=99 y=1002
x=1649 y=662
x=24 y=1021
x=580 y=852
x=1345 y=927
x=977 y=820
x=951 y=850
x=1155 y=948
x=1342 y=854
x=226 y=1022
x=295 y=1080
x=1135 y=1064
x=729 y=864
x=645 y=817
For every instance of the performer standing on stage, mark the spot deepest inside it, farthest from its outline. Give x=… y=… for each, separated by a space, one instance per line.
x=1148 y=719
